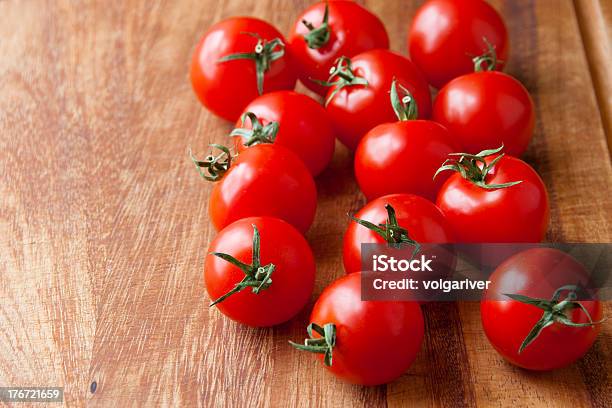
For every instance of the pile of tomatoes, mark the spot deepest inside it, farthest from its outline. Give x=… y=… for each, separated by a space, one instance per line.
x=441 y=172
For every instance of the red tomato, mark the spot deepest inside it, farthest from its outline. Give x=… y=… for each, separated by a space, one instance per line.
x=421 y=220
x=484 y=109
x=446 y=34
x=275 y=280
x=539 y=273
x=402 y=157
x=478 y=211
x=316 y=44
x=226 y=86
x=359 y=98
x=293 y=120
x=364 y=342
x=264 y=180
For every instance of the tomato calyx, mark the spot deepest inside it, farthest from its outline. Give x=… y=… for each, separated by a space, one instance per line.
x=556 y=310
x=215 y=166
x=318 y=36
x=405 y=108
x=321 y=345
x=488 y=60
x=390 y=231
x=264 y=54
x=345 y=77
x=257 y=276
x=258 y=132
x=474 y=168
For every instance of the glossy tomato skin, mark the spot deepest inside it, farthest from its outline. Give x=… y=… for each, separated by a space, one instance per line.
x=423 y=220
x=376 y=342
x=518 y=213
x=225 y=88
x=445 y=35
x=485 y=109
x=402 y=157
x=304 y=127
x=537 y=273
x=353 y=30
x=265 y=180
x=292 y=279
x=354 y=110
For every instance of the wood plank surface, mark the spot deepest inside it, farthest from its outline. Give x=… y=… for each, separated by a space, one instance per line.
x=594 y=19
x=104 y=226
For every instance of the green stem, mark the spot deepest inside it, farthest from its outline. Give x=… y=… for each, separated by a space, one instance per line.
x=390 y=231
x=474 y=167
x=321 y=345
x=212 y=168
x=319 y=36
x=258 y=132
x=257 y=277
x=264 y=54
x=405 y=108
x=555 y=311
x=488 y=60
x=341 y=75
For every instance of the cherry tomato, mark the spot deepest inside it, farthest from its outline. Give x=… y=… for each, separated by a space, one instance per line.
x=264 y=180
x=485 y=109
x=417 y=219
x=237 y=60
x=363 y=342
x=502 y=199
x=358 y=98
x=525 y=295
x=316 y=42
x=402 y=157
x=293 y=120
x=445 y=35
x=260 y=271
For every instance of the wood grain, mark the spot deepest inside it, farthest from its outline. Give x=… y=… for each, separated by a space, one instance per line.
x=594 y=18
x=104 y=224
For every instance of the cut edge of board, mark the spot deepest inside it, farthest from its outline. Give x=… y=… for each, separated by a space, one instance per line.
x=593 y=30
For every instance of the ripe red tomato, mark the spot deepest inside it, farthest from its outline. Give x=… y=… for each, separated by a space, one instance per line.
x=485 y=109
x=264 y=180
x=402 y=157
x=510 y=323
x=293 y=120
x=358 y=100
x=260 y=271
x=363 y=342
x=489 y=205
x=446 y=34
x=237 y=60
x=419 y=219
x=316 y=43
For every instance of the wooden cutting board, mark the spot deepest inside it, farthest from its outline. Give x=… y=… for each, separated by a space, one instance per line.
x=104 y=225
